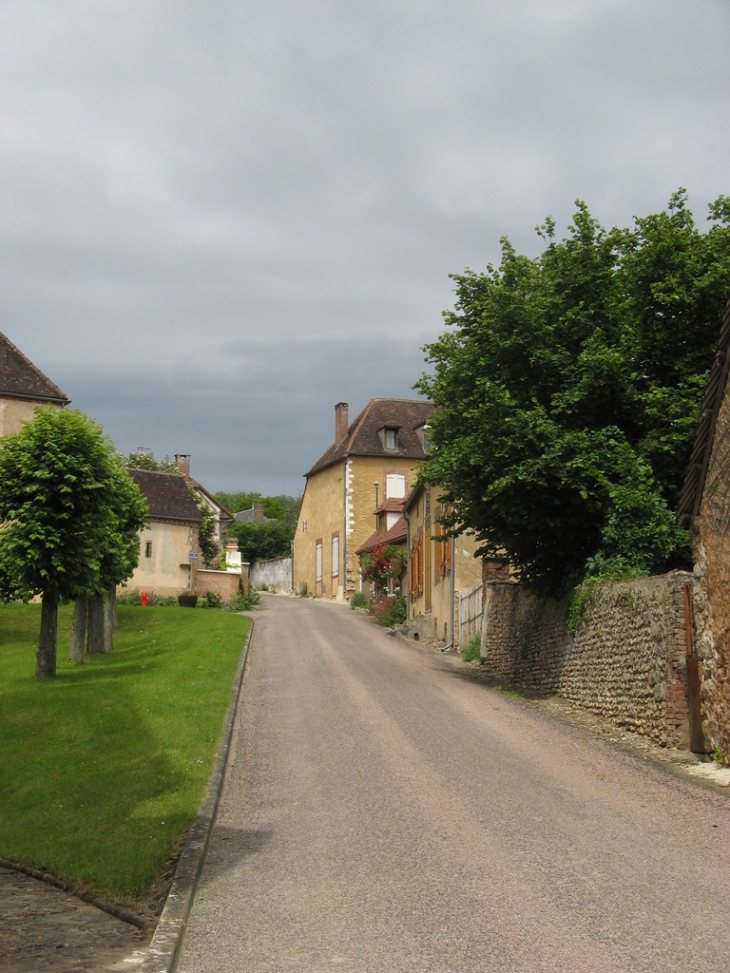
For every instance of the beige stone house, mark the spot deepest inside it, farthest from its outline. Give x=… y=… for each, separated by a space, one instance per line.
x=22 y=388
x=371 y=460
x=705 y=509
x=440 y=568
x=169 y=544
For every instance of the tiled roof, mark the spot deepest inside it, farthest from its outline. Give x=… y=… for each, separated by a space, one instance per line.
x=20 y=379
x=167 y=495
x=362 y=438
x=694 y=481
x=392 y=505
x=397 y=534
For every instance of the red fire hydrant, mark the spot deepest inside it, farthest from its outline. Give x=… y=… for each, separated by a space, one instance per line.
x=143 y=599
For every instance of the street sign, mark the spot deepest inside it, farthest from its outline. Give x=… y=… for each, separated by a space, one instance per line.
x=192 y=556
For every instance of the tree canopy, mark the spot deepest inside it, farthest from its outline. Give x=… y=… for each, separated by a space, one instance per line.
x=567 y=392
x=70 y=515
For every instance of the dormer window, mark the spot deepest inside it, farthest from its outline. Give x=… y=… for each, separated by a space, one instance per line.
x=422 y=432
x=391 y=438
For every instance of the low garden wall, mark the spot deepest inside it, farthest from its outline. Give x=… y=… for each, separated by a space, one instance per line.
x=223 y=583
x=626 y=662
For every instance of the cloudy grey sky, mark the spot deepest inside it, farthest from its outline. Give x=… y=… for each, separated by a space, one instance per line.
x=222 y=217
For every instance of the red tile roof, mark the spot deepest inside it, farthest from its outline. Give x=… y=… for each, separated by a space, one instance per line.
x=20 y=379
x=362 y=439
x=397 y=534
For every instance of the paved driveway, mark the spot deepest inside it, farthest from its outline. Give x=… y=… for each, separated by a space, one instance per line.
x=385 y=812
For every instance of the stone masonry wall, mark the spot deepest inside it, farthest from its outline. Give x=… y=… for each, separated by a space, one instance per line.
x=223 y=583
x=627 y=661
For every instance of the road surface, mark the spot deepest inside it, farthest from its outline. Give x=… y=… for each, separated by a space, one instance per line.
x=385 y=812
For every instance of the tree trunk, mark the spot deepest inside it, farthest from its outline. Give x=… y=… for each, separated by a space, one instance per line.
x=46 y=656
x=109 y=606
x=78 y=629
x=95 y=645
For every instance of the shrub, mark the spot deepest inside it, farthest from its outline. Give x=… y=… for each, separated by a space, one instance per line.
x=472 y=651
x=131 y=597
x=212 y=600
x=242 y=603
x=358 y=600
x=187 y=601
x=389 y=610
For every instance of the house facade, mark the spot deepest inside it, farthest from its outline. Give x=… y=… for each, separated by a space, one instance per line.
x=23 y=387
x=440 y=568
x=372 y=460
x=169 y=544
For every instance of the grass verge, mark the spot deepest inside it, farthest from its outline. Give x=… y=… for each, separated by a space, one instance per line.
x=103 y=768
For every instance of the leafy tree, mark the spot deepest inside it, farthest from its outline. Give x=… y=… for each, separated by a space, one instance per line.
x=568 y=390
x=144 y=459
x=281 y=507
x=70 y=516
x=259 y=542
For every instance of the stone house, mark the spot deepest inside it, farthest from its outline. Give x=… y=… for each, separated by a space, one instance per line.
x=705 y=508
x=22 y=388
x=439 y=567
x=372 y=459
x=169 y=544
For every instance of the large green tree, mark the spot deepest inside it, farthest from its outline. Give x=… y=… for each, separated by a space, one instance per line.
x=567 y=392
x=69 y=513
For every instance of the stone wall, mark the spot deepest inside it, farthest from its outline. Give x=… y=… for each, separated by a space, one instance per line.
x=223 y=583
x=275 y=574
x=627 y=661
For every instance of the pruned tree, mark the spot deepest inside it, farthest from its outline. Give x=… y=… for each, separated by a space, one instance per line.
x=567 y=392
x=62 y=534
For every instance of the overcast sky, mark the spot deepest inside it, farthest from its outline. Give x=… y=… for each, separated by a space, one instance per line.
x=220 y=218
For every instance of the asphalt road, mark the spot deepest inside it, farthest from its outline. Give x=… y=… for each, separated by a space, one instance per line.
x=385 y=812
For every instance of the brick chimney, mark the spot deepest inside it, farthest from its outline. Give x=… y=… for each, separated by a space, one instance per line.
x=182 y=461
x=258 y=513
x=341 y=422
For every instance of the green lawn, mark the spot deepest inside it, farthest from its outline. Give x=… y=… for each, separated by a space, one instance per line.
x=103 y=769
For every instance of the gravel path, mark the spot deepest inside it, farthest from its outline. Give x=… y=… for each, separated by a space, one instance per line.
x=384 y=811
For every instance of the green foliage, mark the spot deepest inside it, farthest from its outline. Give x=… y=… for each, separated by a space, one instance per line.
x=382 y=564
x=242 y=603
x=144 y=459
x=472 y=651
x=388 y=610
x=260 y=542
x=599 y=570
x=281 y=508
x=207 y=530
x=212 y=600
x=568 y=389
x=70 y=511
x=358 y=600
x=718 y=756
x=103 y=769
x=303 y=589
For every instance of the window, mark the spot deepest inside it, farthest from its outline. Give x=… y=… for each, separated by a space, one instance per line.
x=335 y=555
x=148 y=549
x=318 y=561
x=395 y=486
x=390 y=441
x=304 y=526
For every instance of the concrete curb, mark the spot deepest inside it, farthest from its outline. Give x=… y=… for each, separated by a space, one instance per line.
x=164 y=951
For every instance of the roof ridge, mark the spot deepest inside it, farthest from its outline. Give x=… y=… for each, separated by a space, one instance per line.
x=35 y=369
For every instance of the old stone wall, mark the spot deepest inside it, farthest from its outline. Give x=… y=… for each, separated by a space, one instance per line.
x=223 y=583
x=627 y=661
x=275 y=574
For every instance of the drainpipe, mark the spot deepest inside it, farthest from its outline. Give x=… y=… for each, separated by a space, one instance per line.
x=450 y=644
